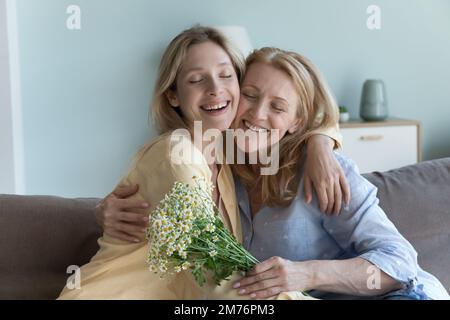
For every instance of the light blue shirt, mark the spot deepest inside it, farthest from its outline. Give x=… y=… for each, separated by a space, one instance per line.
x=302 y=232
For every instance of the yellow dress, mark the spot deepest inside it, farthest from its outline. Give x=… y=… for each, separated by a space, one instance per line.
x=119 y=269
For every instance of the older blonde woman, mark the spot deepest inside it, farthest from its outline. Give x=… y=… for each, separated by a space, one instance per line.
x=359 y=252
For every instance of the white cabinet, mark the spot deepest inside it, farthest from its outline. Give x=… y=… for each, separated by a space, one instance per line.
x=383 y=145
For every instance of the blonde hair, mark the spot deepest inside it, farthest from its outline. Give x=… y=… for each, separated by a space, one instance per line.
x=317 y=109
x=165 y=116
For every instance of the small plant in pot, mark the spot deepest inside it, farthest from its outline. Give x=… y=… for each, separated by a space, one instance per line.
x=344 y=116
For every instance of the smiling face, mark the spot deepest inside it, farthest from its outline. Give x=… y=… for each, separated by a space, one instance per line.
x=269 y=101
x=207 y=87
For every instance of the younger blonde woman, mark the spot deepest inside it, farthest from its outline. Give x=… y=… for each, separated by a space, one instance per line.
x=119 y=269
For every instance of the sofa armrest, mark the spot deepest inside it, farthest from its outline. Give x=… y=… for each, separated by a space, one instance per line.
x=416 y=199
x=40 y=236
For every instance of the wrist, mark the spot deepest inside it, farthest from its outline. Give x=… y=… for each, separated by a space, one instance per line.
x=315 y=277
x=320 y=141
x=329 y=275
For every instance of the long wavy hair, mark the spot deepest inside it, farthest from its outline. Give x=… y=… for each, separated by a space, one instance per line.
x=317 y=109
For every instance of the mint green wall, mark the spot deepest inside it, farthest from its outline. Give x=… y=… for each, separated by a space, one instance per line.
x=85 y=93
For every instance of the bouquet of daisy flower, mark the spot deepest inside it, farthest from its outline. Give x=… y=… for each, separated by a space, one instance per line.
x=186 y=233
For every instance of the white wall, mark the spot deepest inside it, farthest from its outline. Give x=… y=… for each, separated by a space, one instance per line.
x=11 y=145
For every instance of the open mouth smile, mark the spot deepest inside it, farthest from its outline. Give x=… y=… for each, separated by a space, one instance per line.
x=254 y=128
x=216 y=109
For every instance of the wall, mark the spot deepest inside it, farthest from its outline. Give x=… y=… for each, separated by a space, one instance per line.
x=6 y=155
x=85 y=93
x=11 y=135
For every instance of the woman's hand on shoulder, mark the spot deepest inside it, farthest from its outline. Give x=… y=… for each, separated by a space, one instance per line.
x=121 y=214
x=324 y=174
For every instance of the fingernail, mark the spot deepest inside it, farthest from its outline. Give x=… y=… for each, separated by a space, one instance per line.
x=242 y=291
x=136 y=240
x=236 y=285
x=145 y=204
x=144 y=230
x=253 y=295
x=145 y=219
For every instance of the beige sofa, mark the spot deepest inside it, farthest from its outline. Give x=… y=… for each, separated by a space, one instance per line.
x=40 y=236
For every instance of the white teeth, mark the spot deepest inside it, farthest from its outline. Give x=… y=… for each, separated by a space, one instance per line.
x=215 y=107
x=254 y=128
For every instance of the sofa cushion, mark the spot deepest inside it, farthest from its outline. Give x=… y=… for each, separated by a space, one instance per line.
x=416 y=199
x=40 y=237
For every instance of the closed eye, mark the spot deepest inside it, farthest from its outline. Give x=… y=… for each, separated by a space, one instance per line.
x=249 y=96
x=195 y=81
x=277 y=108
